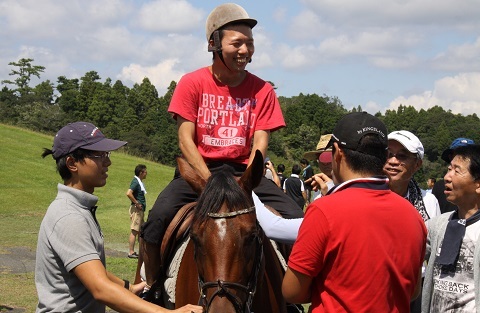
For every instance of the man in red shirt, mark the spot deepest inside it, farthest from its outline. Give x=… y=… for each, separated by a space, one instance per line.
x=361 y=247
x=224 y=114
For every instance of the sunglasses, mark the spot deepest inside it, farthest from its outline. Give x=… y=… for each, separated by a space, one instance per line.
x=103 y=156
x=402 y=157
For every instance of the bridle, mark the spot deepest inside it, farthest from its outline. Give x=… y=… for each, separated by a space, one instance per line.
x=224 y=287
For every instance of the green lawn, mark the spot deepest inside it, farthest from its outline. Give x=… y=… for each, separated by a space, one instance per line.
x=28 y=184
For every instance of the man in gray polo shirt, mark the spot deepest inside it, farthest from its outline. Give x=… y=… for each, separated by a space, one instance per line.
x=70 y=273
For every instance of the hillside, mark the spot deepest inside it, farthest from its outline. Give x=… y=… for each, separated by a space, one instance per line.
x=29 y=182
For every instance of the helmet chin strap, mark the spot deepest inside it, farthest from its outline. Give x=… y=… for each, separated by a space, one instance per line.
x=217 y=47
x=220 y=55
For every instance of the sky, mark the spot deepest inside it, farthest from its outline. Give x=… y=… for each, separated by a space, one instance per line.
x=368 y=53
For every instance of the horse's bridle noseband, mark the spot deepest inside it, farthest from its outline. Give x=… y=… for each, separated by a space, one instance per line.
x=223 y=287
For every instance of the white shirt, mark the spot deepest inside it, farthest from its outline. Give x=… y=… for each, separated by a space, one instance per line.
x=431 y=204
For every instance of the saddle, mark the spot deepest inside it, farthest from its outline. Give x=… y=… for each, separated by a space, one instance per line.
x=176 y=232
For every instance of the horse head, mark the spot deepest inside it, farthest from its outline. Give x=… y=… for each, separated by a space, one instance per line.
x=226 y=237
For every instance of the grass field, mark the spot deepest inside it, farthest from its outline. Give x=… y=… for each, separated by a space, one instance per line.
x=28 y=185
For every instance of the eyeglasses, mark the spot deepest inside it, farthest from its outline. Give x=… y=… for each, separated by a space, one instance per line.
x=402 y=157
x=103 y=156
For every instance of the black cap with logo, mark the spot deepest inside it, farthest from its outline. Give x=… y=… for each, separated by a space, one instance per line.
x=352 y=127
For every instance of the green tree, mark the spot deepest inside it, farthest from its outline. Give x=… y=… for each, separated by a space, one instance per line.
x=68 y=100
x=102 y=106
x=88 y=86
x=8 y=101
x=44 y=92
x=24 y=72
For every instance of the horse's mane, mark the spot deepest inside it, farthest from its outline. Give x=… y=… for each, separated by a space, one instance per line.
x=221 y=188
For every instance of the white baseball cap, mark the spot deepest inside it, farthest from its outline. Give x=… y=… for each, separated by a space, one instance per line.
x=409 y=141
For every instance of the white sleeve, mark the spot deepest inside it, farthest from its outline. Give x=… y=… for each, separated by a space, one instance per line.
x=276 y=227
x=431 y=204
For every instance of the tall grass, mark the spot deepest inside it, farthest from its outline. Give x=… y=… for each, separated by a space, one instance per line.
x=28 y=185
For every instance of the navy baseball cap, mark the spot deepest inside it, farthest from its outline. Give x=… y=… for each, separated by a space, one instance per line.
x=351 y=128
x=459 y=142
x=82 y=135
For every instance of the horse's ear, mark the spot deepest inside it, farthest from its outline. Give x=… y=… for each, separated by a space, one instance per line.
x=252 y=176
x=190 y=175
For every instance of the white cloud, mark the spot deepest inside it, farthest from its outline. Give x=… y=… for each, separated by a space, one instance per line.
x=170 y=16
x=298 y=57
x=465 y=57
x=24 y=17
x=459 y=93
x=307 y=26
x=160 y=75
x=109 y=44
x=395 y=62
x=279 y=14
x=372 y=107
x=353 y=13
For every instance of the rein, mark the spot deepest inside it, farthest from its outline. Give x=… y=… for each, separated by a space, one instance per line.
x=224 y=287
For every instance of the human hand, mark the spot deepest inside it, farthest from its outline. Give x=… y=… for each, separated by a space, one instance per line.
x=319 y=182
x=137 y=288
x=269 y=165
x=189 y=308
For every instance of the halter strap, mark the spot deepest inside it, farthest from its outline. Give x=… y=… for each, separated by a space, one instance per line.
x=224 y=286
x=231 y=214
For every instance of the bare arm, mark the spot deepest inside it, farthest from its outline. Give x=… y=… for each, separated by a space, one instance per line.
x=132 y=198
x=260 y=142
x=109 y=289
x=275 y=177
x=186 y=135
x=296 y=287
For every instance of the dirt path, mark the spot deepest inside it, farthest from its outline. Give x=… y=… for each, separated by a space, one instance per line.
x=18 y=260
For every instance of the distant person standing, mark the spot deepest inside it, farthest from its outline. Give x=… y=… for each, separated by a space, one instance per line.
x=430 y=183
x=281 y=177
x=294 y=187
x=306 y=175
x=136 y=193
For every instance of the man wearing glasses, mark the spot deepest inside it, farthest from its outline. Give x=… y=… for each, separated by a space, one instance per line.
x=404 y=159
x=70 y=273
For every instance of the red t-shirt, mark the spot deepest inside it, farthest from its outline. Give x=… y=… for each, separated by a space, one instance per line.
x=363 y=248
x=226 y=118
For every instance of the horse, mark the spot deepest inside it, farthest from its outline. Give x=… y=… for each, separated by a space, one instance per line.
x=229 y=265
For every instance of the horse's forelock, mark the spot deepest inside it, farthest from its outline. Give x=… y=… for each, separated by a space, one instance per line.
x=221 y=187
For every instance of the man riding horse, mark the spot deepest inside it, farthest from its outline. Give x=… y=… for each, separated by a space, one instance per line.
x=224 y=114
